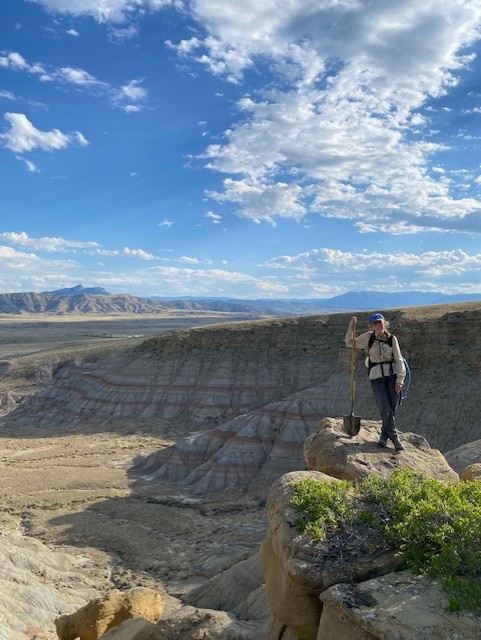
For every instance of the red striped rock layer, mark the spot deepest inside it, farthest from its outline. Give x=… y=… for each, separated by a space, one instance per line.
x=193 y=378
x=247 y=452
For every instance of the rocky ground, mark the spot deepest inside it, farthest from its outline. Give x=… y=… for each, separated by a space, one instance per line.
x=75 y=491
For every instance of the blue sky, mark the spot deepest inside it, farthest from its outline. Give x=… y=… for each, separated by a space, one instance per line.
x=247 y=149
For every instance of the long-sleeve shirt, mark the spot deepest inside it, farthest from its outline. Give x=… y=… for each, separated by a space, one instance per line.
x=385 y=360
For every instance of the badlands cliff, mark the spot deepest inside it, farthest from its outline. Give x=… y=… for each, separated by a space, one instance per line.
x=261 y=387
x=238 y=401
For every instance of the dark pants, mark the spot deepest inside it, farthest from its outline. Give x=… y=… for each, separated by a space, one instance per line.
x=386 y=400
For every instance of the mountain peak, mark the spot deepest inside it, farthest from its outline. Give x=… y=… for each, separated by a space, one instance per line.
x=78 y=290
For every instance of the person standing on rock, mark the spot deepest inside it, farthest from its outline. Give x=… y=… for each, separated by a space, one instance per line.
x=386 y=372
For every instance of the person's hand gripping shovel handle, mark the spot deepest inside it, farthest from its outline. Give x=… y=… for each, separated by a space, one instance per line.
x=352 y=423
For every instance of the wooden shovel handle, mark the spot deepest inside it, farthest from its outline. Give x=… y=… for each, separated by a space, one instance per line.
x=353 y=366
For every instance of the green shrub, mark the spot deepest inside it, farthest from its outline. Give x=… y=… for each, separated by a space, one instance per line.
x=437 y=524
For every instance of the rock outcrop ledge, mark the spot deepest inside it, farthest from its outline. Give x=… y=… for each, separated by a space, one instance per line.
x=352 y=588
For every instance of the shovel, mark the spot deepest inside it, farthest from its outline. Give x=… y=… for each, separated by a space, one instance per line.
x=351 y=424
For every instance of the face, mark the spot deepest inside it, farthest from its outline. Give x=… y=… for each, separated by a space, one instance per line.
x=378 y=326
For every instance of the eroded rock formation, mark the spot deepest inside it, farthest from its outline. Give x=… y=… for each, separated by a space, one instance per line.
x=36 y=584
x=247 y=452
x=198 y=379
x=347 y=586
x=103 y=613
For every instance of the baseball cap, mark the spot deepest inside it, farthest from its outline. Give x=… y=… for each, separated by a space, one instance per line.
x=375 y=317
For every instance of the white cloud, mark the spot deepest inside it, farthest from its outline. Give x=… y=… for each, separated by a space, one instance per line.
x=374 y=270
x=112 y=11
x=16 y=62
x=23 y=136
x=120 y=97
x=8 y=95
x=77 y=76
x=189 y=260
x=262 y=201
x=137 y=253
x=132 y=91
x=166 y=223
x=19 y=264
x=73 y=32
x=50 y=245
x=31 y=166
x=214 y=217
x=346 y=138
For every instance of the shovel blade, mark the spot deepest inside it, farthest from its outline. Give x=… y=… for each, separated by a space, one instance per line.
x=351 y=424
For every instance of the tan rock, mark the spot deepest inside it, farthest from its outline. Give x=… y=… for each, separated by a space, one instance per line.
x=329 y=450
x=133 y=629
x=297 y=568
x=101 y=614
x=472 y=472
x=279 y=631
x=397 y=606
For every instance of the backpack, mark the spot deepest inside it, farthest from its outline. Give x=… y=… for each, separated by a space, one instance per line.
x=370 y=365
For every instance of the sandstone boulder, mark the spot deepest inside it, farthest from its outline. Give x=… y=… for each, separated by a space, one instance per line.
x=329 y=450
x=297 y=568
x=472 y=472
x=397 y=606
x=464 y=456
x=101 y=614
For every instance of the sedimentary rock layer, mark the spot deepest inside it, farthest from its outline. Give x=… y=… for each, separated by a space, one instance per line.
x=200 y=378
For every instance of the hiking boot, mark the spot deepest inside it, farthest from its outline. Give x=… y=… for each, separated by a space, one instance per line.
x=398 y=445
x=381 y=442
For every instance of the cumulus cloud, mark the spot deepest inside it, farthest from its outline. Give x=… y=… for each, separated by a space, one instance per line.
x=341 y=125
x=23 y=136
x=121 y=97
x=439 y=270
x=17 y=265
x=62 y=245
x=48 y=244
x=262 y=201
x=75 y=76
x=16 y=62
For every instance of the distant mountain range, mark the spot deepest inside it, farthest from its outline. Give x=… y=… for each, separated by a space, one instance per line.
x=79 y=299
x=80 y=289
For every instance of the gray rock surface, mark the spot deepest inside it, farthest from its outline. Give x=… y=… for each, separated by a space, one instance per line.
x=36 y=584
